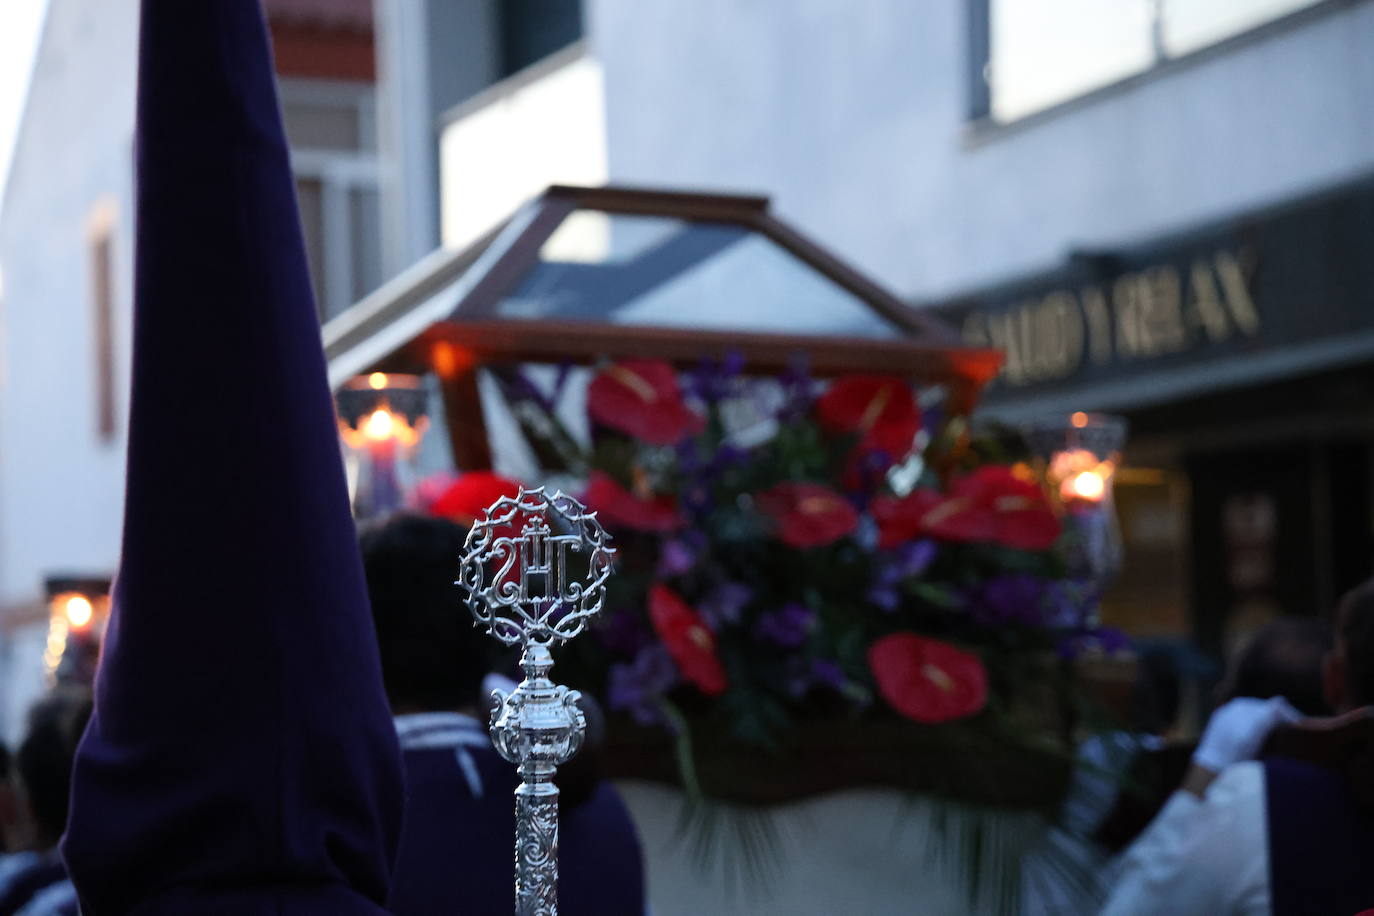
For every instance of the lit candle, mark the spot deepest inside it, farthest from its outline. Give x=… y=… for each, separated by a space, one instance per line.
x=77 y=610
x=384 y=489
x=380 y=437
x=1078 y=456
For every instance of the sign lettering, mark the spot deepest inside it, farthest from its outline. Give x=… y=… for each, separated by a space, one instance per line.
x=1140 y=315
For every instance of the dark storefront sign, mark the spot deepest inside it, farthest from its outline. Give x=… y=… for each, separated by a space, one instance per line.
x=1279 y=279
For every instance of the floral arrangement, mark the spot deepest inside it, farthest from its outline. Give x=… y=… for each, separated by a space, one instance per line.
x=791 y=550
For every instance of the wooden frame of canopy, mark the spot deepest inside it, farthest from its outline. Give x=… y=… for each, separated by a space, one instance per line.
x=442 y=315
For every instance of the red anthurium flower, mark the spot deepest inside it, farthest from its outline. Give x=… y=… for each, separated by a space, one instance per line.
x=641 y=398
x=991 y=504
x=1021 y=517
x=429 y=489
x=880 y=409
x=926 y=679
x=469 y=495
x=808 y=514
x=467 y=499
x=619 y=508
x=690 y=642
x=902 y=520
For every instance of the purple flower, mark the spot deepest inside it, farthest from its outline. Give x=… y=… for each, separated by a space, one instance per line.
x=908 y=561
x=885 y=597
x=829 y=673
x=1017 y=598
x=723 y=604
x=624 y=632
x=697 y=499
x=870 y=470
x=688 y=456
x=914 y=558
x=1069 y=603
x=675 y=557
x=636 y=687
x=799 y=390
x=1099 y=641
x=701 y=471
x=520 y=386
x=560 y=381
x=727 y=456
x=787 y=627
x=933 y=416
x=820 y=672
x=711 y=381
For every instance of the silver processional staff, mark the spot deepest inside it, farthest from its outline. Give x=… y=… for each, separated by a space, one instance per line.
x=516 y=575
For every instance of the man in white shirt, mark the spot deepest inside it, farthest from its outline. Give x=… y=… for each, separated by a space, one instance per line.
x=1250 y=838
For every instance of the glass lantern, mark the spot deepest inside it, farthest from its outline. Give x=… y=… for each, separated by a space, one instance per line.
x=78 y=610
x=382 y=419
x=1077 y=458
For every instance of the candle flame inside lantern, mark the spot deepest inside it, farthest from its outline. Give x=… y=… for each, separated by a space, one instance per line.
x=1079 y=476
x=1089 y=485
x=377 y=381
x=380 y=425
x=71 y=615
x=79 y=611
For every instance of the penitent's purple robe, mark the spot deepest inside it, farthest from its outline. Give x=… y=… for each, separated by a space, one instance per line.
x=1321 y=844
x=241 y=759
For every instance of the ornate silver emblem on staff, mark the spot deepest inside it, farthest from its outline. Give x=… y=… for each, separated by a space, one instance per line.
x=521 y=588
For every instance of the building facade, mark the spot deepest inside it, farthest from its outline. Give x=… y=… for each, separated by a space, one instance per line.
x=66 y=257
x=1156 y=209
x=65 y=251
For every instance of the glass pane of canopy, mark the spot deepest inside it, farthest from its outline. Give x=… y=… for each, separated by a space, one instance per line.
x=631 y=269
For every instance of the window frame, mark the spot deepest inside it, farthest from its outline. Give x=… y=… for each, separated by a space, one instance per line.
x=340 y=173
x=983 y=124
x=102 y=224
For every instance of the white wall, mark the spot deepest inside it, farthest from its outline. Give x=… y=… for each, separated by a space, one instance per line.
x=61 y=487
x=515 y=139
x=852 y=115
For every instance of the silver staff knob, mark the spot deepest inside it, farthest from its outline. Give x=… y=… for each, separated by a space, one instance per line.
x=519 y=586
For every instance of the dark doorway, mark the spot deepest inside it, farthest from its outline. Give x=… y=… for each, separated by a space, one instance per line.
x=1276 y=530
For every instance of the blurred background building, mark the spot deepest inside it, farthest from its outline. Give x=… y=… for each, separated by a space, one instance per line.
x=1160 y=208
x=66 y=235
x=1156 y=208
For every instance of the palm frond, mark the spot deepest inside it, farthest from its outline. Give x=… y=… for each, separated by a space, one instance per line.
x=740 y=846
x=1009 y=862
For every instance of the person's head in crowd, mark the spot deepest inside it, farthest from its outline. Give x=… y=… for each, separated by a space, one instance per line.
x=433 y=658
x=1349 y=672
x=1284 y=659
x=43 y=763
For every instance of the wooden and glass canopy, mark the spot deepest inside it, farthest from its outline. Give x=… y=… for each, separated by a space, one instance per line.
x=580 y=275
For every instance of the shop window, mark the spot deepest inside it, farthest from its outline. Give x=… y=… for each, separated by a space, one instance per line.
x=533 y=29
x=1150 y=597
x=1039 y=53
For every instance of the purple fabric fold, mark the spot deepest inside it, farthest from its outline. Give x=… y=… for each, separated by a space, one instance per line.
x=241 y=758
